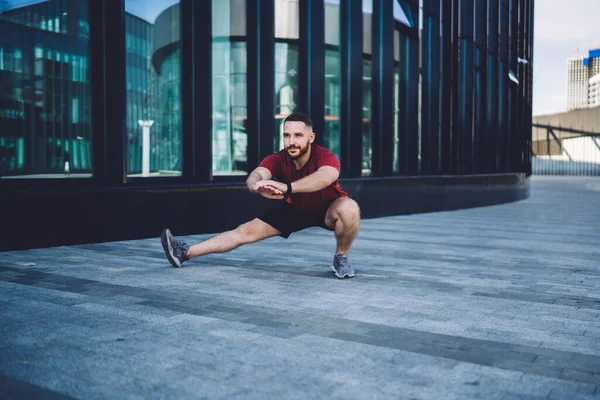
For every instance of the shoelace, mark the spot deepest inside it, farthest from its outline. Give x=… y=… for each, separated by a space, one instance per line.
x=342 y=260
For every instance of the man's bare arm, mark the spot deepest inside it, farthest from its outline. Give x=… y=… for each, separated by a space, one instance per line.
x=314 y=182
x=259 y=174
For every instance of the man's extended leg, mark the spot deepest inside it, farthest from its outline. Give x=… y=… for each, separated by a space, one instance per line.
x=249 y=232
x=343 y=216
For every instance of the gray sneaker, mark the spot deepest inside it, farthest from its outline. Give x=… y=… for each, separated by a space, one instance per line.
x=176 y=250
x=341 y=267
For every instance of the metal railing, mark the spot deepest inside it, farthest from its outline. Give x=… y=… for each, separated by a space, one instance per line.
x=564 y=151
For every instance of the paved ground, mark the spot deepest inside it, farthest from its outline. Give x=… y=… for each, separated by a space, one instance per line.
x=495 y=302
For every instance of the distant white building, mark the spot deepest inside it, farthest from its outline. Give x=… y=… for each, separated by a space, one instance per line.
x=594 y=91
x=580 y=69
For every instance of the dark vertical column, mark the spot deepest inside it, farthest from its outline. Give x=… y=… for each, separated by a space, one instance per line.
x=383 y=89
x=311 y=77
x=512 y=137
x=480 y=97
x=97 y=86
x=465 y=87
x=492 y=88
x=260 y=17
x=446 y=87
x=520 y=157
x=503 y=81
x=529 y=77
x=408 y=118
x=109 y=101
x=454 y=103
x=196 y=89
x=430 y=86
x=115 y=91
x=351 y=43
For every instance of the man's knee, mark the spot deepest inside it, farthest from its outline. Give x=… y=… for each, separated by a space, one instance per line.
x=251 y=231
x=348 y=209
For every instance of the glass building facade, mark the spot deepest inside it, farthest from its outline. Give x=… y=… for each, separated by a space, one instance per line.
x=128 y=94
x=445 y=66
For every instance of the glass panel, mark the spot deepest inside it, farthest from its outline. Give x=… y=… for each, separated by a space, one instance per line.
x=153 y=124
x=400 y=15
x=367 y=8
x=397 y=127
x=286 y=64
x=229 y=68
x=332 y=78
x=286 y=86
x=44 y=91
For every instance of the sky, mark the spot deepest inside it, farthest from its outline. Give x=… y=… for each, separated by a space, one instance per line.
x=560 y=27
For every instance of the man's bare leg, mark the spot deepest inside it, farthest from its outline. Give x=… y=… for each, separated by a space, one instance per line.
x=249 y=232
x=343 y=216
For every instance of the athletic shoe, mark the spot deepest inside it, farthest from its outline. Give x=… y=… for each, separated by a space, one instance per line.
x=176 y=250
x=341 y=267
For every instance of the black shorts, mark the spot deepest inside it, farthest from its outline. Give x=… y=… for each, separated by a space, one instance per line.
x=287 y=219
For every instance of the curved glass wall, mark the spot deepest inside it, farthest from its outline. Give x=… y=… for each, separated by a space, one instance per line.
x=45 y=98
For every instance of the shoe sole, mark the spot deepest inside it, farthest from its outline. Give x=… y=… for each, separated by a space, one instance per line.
x=166 y=244
x=341 y=276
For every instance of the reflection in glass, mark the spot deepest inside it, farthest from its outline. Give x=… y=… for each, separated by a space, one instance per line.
x=367 y=9
x=153 y=115
x=286 y=64
x=332 y=78
x=44 y=90
x=366 y=126
x=286 y=86
x=229 y=69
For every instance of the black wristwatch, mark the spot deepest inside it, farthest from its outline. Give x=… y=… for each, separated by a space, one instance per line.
x=289 y=189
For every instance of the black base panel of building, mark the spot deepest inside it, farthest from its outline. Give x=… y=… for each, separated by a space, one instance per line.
x=38 y=219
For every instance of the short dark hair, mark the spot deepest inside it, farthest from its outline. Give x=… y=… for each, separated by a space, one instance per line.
x=299 y=116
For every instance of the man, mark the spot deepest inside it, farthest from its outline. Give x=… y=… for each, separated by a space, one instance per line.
x=307 y=181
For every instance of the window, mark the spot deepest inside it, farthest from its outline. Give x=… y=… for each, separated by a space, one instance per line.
x=44 y=125
x=153 y=125
x=229 y=68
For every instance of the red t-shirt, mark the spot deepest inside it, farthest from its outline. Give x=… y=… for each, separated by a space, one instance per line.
x=283 y=169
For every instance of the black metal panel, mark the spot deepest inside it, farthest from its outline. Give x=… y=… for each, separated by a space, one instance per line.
x=480 y=97
x=465 y=88
x=115 y=91
x=196 y=90
x=121 y=213
x=492 y=88
x=529 y=88
x=521 y=70
x=97 y=85
x=446 y=87
x=260 y=17
x=503 y=82
x=454 y=143
x=430 y=86
x=311 y=76
x=383 y=89
x=512 y=137
x=351 y=42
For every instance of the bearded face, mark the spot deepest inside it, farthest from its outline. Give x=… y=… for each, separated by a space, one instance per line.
x=297 y=138
x=296 y=150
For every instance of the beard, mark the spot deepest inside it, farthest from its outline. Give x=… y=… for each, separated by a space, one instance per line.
x=303 y=151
